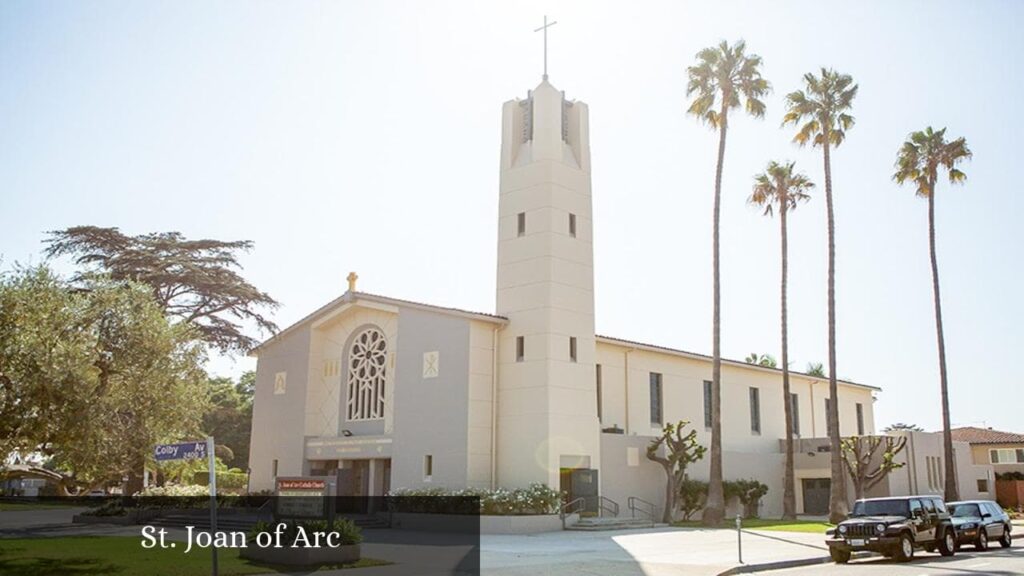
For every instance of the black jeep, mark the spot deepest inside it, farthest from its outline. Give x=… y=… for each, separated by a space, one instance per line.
x=894 y=527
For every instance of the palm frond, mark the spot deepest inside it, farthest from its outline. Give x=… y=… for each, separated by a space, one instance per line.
x=923 y=153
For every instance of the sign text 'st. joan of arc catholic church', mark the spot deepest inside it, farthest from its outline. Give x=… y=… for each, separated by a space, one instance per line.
x=386 y=393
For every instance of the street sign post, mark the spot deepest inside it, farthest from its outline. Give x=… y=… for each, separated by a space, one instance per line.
x=213 y=499
x=196 y=451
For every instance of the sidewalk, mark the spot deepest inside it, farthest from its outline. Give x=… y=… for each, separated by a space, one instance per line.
x=654 y=552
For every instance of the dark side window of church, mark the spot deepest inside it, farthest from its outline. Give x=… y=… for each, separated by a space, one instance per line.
x=598 y=392
x=656 y=399
x=521 y=224
x=707 y=403
x=572 y=348
x=520 y=348
x=795 y=402
x=755 y=410
x=860 y=419
x=572 y=225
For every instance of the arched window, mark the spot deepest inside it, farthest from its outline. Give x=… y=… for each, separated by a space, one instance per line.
x=367 y=371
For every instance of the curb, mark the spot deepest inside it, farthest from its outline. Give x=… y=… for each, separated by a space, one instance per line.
x=784 y=564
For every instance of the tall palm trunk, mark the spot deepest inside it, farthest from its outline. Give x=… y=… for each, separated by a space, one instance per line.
x=952 y=493
x=714 y=509
x=788 y=490
x=838 y=506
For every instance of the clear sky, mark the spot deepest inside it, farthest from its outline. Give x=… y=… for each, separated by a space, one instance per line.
x=364 y=136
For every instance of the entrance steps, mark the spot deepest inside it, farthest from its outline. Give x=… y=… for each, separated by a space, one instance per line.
x=611 y=523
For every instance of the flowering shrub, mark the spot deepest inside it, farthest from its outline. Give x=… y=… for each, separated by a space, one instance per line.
x=534 y=500
x=187 y=490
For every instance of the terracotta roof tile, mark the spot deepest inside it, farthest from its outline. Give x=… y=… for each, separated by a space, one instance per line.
x=974 y=435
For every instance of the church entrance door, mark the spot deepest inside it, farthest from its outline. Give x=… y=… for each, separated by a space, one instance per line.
x=580 y=483
x=353 y=486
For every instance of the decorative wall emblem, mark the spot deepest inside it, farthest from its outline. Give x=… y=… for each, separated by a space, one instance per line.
x=431 y=366
x=367 y=371
x=280 y=380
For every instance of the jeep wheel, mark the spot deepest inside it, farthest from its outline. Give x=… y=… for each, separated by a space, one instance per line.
x=947 y=544
x=1006 y=540
x=905 y=549
x=839 y=556
x=981 y=544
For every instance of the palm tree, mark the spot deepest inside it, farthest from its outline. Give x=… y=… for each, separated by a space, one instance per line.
x=823 y=112
x=919 y=161
x=779 y=186
x=724 y=77
x=816 y=369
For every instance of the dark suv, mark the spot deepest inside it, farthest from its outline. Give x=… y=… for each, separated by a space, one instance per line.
x=894 y=527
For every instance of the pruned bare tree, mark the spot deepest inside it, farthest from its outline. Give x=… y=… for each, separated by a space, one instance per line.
x=680 y=452
x=861 y=457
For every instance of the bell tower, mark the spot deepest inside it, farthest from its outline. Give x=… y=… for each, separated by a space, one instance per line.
x=547 y=406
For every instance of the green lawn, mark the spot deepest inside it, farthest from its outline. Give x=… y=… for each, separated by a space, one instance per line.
x=811 y=526
x=124 y=556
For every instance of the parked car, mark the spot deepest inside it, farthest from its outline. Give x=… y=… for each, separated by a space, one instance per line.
x=894 y=527
x=979 y=522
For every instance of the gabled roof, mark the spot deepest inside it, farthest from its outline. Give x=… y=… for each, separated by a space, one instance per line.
x=973 y=435
x=726 y=361
x=349 y=297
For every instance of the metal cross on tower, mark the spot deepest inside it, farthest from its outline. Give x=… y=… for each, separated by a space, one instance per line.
x=545 y=29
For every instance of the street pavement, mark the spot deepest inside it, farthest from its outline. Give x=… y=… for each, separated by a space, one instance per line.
x=653 y=552
x=996 y=561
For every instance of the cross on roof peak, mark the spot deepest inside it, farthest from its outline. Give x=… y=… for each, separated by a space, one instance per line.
x=545 y=29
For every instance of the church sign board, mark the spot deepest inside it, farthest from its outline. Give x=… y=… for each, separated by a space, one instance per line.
x=301 y=498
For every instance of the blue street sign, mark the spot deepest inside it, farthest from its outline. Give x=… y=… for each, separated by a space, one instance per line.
x=183 y=451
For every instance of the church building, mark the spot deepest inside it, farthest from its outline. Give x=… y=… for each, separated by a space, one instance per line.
x=388 y=393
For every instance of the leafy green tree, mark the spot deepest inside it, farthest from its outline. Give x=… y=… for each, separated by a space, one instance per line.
x=822 y=110
x=46 y=359
x=780 y=188
x=919 y=161
x=725 y=77
x=193 y=281
x=229 y=419
x=94 y=378
x=680 y=451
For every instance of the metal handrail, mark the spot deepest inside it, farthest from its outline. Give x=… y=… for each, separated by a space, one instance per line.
x=648 y=507
x=607 y=504
x=580 y=505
